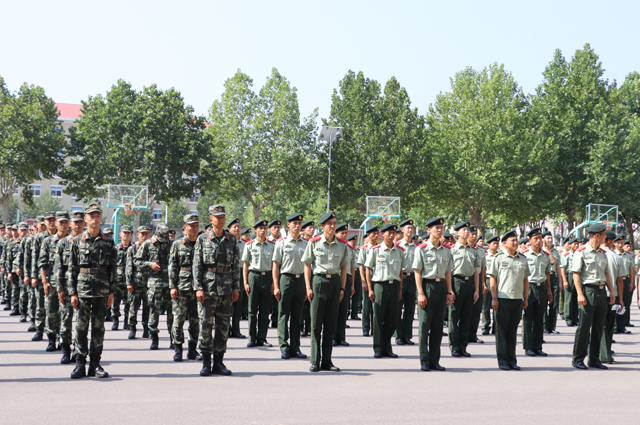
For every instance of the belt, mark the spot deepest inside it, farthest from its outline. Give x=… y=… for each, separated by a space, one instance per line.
x=295 y=276
x=93 y=270
x=536 y=283
x=407 y=273
x=222 y=269
x=185 y=268
x=387 y=281
x=437 y=280
x=257 y=272
x=594 y=286
x=327 y=276
x=459 y=276
x=553 y=272
x=120 y=267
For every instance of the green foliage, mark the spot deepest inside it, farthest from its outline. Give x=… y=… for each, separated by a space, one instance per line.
x=40 y=206
x=176 y=212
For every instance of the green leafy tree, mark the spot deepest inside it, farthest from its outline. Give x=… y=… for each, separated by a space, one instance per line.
x=14 y=206
x=176 y=212
x=40 y=205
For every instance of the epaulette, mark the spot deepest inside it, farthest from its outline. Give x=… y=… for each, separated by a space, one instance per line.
x=374 y=247
x=473 y=247
x=422 y=245
x=600 y=248
x=566 y=253
x=545 y=252
x=351 y=247
x=251 y=241
x=399 y=247
x=153 y=239
x=397 y=243
x=282 y=238
x=316 y=239
x=448 y=246
x=525 y=251
x=184 y=240
x=582 y=249
x=71 y=238
x=270 y=241
x=341 y=240
x=363 y=246
x=305 y=239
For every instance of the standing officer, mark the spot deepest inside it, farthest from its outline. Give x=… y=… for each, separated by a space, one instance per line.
x=325 y=275
x=477 y=306
x=493 y=245
x=137 y=286
x=234 y=228
x=407 y=306
x=590 y=276
x=371 y=239
x=289 y=288
x=627 y=277
x=465 y=289
x=551 y=317
x=628 y=248
x=36 y=277
x=356 y=298
x=274 y=230
x=432 y=265
x=26 y=252
x=508 y=275
x=571 y=296
x=18 y=266
x=183 y=295
x=615 y=268
x=539 y=295
x=216 y=279
x=91 y=279
x=308 y=230
x=258 y=281
x=340 y=336
x=3 y=243
x=246 y=237
x=120 y=293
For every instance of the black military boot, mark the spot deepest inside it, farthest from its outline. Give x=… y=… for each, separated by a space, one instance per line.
x=95 y=369
x=116 y=322
x=32 y=326
x=23 y=318
x=145 y=331
x=108 y=318
x=218 y=367
x=52 y=343
x=15 y=312
x=132 y=332
x=193 y=353
x=154 y=341
x=79 y=371
x=206 y=364
x=37 y=336
x=177 y=357
x=66 y=354
x=126 y=322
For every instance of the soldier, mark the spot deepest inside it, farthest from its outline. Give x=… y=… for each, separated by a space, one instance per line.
x=36 y=277
x=432 y=265
x=3 y=280
x=492 y=245
x=258 y=281
x=590 y=275
x=465 y=289
x=407 y=306
x=153 y=257
x=181 y=288
x=325 y=275
x=234 y=228
x=289 y=287
x=26 y=247
x=274 y=230
x=61 y=266
x=13 y=288
x=509 y=296
x=216 y=279
x=246 y=237
x=627 y=277
x=172 y=236
x=570 y=296
x=551 y=317
x=91 y=279
x=615 y=267
x=477 y=306
x=19 y=266
x=46 y=263
x=120 y=293
x=308 y=229
x=340 y=335
x=137 y=286
x=356 y=298
x=371 y=239
x=628 y=248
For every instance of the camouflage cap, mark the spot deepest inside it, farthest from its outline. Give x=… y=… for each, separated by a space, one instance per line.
x=145 y=228
x=1 y=225
x=23 y=225
x=108 y=231
x=14 y=227
x=40 y=219
x=77 y=216
x=191 y=219
x=126 y=228
x=162 y=230
x=93 y=208
x=217 y=210
x=49 y=214
x=62 y=216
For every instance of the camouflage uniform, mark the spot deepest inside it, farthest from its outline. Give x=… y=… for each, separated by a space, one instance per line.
x=60 y=268
x=41 y=309
x=3 y=279
x=26 y=261
x=120 y=294
x=138 y=279
x=19 y=263
x=46 y=263
x=13 y=248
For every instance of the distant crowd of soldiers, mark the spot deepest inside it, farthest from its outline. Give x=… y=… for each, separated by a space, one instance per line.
x=309 y=283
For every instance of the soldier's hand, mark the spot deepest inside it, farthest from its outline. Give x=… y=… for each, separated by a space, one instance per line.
x=621 y=302
x=19 y=272
x=525 y=304
x=450 y=298
x=26 y=280
x=422 y=300
x=130 y=289
x=234 y=296
x=612 y=299
x=34 y=282
x=566 y=285
x=61 y=296
x=247 y=289
x=582 y=300
x=10 y=276
x=495 y=305
x=310 y=294
x=46 y=287
x=549 y=297
x=341 y=296
x=174 y=294
x=364 y=287
x=276 y=293
x=3 y=271
x=485 y=290
x=200 y=296
x=372 y=295
x=74 y=301
x=476 y=295
x=155 y=267
x=353 y=290
x=109 y=300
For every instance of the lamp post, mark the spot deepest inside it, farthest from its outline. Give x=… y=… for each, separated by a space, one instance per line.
x=330 y=134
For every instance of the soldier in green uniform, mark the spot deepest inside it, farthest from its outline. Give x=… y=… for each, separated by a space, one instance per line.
x=120 y=293
x=36 y=277
x=627 y=277
x=551 y=316
x=539 y=295
x=234 y=228
x=340 y=335
x=181 y=288
x=570 y=295
x=216 y=279
x=509 y=283
x=493 y=246
x=91 y=279
x=26 y=246
x=432 y=265
x=407 y=305
x=274 y=234
x=477 y=306
x=308 y=229
x=18 y=266
x=590 y=276
x=3 y=243
x=466 y=261
x=371 y=239
x=153 y=257
x=13 y=283
x=246 y=237
x=258 y=281
x=289 y=288
x=615 y=267
x=628 y=248
x=325 y=275
x=356 y=298
x=61 y=266
x=137 y=286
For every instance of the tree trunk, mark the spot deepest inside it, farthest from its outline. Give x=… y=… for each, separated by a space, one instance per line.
x=629 y=226
x=570 y=212
x=5 y=208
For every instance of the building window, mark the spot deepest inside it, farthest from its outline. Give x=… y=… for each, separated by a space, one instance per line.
x=76 y=208
x=100 y=193
x=35 y=189
x=194 y=198
x=56 y=191
x=157 y=215
x=194 y=212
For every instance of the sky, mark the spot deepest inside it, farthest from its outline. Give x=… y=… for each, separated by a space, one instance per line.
x=75 y=49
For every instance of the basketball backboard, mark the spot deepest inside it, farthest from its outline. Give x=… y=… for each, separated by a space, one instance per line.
x=383 y=206
x=602 y=213
x=120 y=195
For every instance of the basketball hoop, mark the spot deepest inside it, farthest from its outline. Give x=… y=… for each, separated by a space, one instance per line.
x=128 y=208
x=385 y=218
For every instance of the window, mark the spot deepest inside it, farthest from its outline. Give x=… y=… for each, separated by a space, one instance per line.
x=74 y=196
x=157 y=215
x=195 y=212
x=35 y=189
x=101 y=193
x=76 y=208
x=194 y=198
x=56 y=191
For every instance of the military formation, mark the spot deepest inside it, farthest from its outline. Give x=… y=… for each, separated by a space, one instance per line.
x=309 y=283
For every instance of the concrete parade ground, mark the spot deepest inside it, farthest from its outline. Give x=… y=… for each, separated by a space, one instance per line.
x=148 y=387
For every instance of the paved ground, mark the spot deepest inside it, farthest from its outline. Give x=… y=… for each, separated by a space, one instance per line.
x=148 y=387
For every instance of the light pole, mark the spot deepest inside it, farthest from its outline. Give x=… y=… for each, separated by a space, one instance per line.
x=330 y=134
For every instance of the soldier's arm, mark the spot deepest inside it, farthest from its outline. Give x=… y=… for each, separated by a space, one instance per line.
x=173 y=267
x=141 y=258
x=128 y=269
x=35 y=253
x=57 y=268
x=196 y=268
x=112 y=268
x=43 y=260
x=17 y=259
x=237 y=274
x=72 y=271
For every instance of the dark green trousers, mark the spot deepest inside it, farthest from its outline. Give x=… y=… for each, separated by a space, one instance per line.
x=460 y=314
x=324 y=317
x=507 y=319
x=607 y=335
x=259 y=305
x=533 y=321
x=486 y=312
x=367 y=312
x=274 y=311
x=292 y=294
x=343 y=311
x=476 y=312
x=430 y=321
x=622 y=320
x=237 y=313
x=571 y=310
x=356 y=300
x=305 y=322
x=407 y=307
x=385 y=315
x=562 y=294
x=551 y=313
x=592 y=317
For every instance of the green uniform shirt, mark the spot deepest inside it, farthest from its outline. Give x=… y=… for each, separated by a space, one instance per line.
x=409 y=254
x=92 y=253
x=288 y=252
x=539 y=265
x=121 y=264
x=615 y=268
x=557 y=258
x=241 y=244
x=483 y=260
x=591 y=264
x=181 y=264
x=627 y=262
x=362 y=253
x=465 y=259
x=565 y=261
x=325 y=257
x=353 y=259
x=63 y=252
x=386 y=263
x=133 y=275
x=489 y=257
x=510 y=272
x=259 y=255
x=154 y=251
x=211 y=252
x=432 y=262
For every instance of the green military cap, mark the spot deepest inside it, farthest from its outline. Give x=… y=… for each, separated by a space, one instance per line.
x=480 y=238
x=62 y=216
x=534 y=232
x=232 y=222
x=307 y=224
x=342 y=227
x=610 y=235
x=294 y=217
x=260 y=223
x=389 y=227
x=245 y=230
x=1 y=225
x=14 y=227
x=509 y=234
x=77 y=216
x=23 y=225
x=108 y=231
x=373 y=229
x=627 y=241
x=414 y=237
x=619 y=238
x=461 y=225
x=546 y=233
x=93 y=208
x=200 y=232
x=217 y=210
x=327 y=216
x=191 y=218
x=406 y=223
x=172 y=232
x=275 y=223
x=428 y=235
x=49 y=214
x=145 y=228
x=473 y=228
x=565 y=240
x=352 y=237
x=585 y=240
x=435 y=221
x=596 y=228
x=447 y=235
x=162 y=230
x=208 y=226
x=126 y=228
x=40 y=219
x=493 y=239
x=523 y=240
x=572 y=240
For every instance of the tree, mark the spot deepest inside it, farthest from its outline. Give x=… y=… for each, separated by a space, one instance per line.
x=138 y=138
x=14 y=206
x=44 y=203
x=262 y=145
x=176 y=212
x=32 y=142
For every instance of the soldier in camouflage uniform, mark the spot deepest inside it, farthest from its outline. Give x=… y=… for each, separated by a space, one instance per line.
x=3 y=244
x=12 y=250
x=91 y=279
x=137 y=286
x=26 y=261
x=216 y=279
x=234 y=228
x=120 y=293
x=181 y=287
x=18 y=267
x=153 y=257
x=36 y=277
x=61 y=266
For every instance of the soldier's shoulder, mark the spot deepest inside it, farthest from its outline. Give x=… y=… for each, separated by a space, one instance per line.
x=399 y=247
x=581 y=249
x=422 y=245
x=545 y=252
x=567 y=253
x=282 y=238
x=473 y=247
x=316 y=239
x=230 y=236
x=250 y=241
x=375 y=246
x=341 y=240
x=271 y=241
